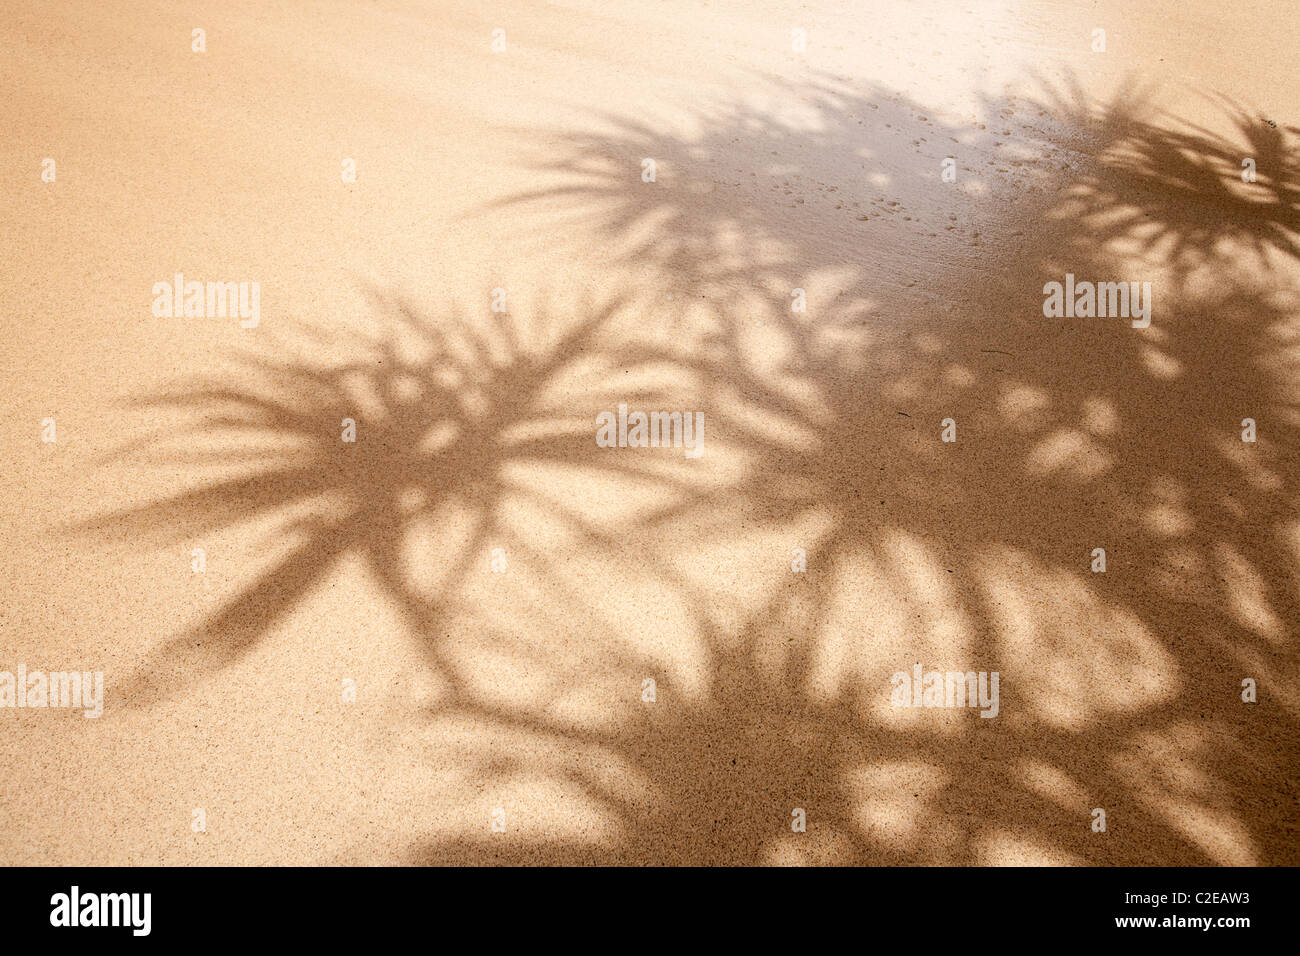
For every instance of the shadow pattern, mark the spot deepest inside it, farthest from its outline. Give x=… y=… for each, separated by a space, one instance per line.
x=1120 y=690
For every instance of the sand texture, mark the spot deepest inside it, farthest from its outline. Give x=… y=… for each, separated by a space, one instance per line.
x=458 y=629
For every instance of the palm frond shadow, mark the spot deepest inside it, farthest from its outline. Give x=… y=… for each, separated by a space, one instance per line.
x=729 y=208
x=453 y=407
x=1122 y=689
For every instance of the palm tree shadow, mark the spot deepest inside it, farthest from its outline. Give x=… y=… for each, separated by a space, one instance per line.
x=1123 y=687
x=451 y=410
x=1072 y=435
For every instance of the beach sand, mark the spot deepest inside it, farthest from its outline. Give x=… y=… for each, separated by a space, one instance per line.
x=473 y=635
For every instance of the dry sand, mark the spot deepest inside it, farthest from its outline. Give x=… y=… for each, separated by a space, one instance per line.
x=776 y=170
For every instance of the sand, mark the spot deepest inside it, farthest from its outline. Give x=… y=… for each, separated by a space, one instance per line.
x=433 y=644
